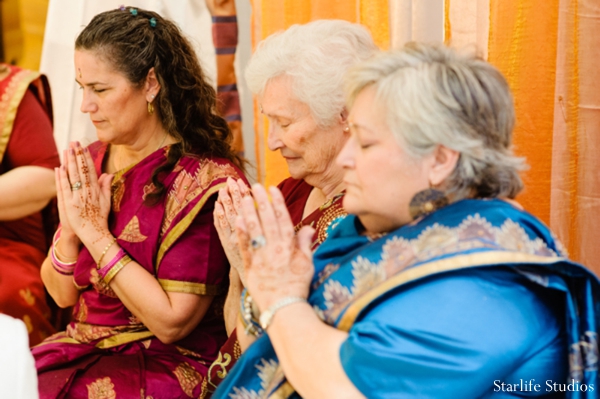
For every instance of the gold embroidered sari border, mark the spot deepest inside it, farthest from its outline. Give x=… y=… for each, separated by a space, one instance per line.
x=191 y=288
x=14 y=93
x=123 y=338
x=438 y=266
x=182 y=226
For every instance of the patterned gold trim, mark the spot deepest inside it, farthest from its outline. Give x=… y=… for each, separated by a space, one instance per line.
x=11 y=98
x=182 y=226
x=283 y=392
x=448 y=264
x=190 y=288
x=123 y=338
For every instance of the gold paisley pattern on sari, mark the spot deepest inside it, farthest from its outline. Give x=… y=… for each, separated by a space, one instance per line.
x=188 y=186
x=82 y=311
x=188 y=378
x=117 y=191
x=86 y=333
x=102 y=388
x=188 y=353
x=27 y=296
x=131 y=232
x=100 y=285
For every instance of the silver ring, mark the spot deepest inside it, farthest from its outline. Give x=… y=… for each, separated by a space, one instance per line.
x=258 y=242
x=76 y=186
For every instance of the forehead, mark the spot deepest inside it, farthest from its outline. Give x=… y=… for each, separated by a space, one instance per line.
x=278 y=97
x=366 y=109
x=91 y=65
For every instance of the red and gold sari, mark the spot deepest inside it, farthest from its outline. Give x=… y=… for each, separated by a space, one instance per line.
x=106 y=351
x=25 y=140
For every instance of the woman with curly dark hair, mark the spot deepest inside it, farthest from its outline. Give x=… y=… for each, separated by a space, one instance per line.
x=137 y=254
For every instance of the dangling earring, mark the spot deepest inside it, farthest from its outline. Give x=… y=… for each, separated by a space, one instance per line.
x=150 y=106
x=427 y=201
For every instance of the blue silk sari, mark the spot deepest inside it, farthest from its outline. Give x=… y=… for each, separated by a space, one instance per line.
x=486 y=237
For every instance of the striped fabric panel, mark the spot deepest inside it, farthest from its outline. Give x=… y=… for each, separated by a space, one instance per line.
x=225 y=39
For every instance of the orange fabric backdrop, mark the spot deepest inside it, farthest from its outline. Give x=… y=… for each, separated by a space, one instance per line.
x=547 y=49
x=529 y=65
x=270 y=16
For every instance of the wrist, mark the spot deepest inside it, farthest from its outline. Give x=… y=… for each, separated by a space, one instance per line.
x=267 y=316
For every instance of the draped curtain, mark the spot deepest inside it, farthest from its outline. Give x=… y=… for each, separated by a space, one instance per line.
x=547 y=49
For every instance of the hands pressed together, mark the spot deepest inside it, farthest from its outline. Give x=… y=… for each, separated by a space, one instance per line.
x=274 y=263
x=84 y=200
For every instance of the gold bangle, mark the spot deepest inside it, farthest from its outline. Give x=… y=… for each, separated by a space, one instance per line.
x=116 y=268
x=59 y=255
x=57 y=252
x=105 y=251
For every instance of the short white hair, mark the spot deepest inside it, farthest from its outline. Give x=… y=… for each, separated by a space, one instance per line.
x=316 y=56
x=433 y=95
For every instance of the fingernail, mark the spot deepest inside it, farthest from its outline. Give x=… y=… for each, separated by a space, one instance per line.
x=85 y=149
x=63 y=167
x=77 y=144
x=71 y=151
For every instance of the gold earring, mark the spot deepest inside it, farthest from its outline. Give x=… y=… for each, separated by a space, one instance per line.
x=150 y=108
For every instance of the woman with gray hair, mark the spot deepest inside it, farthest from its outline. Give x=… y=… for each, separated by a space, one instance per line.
x=435 y=286
x=298 y=77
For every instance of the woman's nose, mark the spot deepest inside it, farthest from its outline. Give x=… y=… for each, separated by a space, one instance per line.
x=345 y=158
x=273 y=138
x=87 y=104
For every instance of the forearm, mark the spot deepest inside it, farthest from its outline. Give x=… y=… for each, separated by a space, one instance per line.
x=170 y=316
x=300 y=338
x=24 y=191
x=231 y=309
x=244 y=339
x=60 y=287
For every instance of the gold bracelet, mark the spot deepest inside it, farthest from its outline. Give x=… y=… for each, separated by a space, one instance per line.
x=59 y=255
x=116 y=268
x=105 y=251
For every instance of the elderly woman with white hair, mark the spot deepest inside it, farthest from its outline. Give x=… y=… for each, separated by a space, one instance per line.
x=435 y=286
x=298 y=76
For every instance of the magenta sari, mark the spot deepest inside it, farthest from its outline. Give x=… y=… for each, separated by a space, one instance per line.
x=106 y=352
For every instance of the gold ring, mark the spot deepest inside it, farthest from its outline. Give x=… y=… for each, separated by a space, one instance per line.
x=76 y=186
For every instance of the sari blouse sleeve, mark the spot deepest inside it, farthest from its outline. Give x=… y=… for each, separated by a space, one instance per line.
x=433 y=339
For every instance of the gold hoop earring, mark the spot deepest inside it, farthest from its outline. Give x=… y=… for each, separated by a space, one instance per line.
x=150 y=108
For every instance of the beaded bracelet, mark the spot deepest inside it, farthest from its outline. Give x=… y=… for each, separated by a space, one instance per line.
x=249 y=319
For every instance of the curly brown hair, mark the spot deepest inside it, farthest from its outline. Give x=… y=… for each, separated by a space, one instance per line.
x=133 y=41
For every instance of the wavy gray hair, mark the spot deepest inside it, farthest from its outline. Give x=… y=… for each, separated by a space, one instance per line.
x=316 y=55
x=433 y=95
